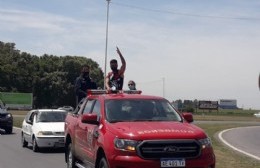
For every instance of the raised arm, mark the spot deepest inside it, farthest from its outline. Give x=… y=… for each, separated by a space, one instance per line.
x=123 y=66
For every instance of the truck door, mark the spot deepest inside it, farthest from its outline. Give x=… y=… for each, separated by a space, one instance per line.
x=81 y=132
x=75 y=125
x=93 y=135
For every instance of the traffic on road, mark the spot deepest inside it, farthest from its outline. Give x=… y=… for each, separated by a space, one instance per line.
x=107 y=130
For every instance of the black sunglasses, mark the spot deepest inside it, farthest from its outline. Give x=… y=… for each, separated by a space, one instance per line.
x=130 y=84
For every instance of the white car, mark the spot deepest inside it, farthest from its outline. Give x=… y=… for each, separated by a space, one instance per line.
x=43 y=128
x=257 y=114
x=67 y=108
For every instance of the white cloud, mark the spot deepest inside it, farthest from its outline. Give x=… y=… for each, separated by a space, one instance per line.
x=199 y=58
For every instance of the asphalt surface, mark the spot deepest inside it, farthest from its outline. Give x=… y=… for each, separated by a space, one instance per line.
x=244 y=139
x=13 y=155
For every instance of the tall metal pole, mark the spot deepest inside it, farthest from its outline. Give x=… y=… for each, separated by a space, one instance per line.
x=105 y=70
x=163 y=79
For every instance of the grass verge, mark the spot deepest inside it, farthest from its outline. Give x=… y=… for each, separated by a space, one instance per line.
x=226 y=157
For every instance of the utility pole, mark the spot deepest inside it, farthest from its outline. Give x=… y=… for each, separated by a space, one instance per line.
x=105 y=69
x=163 y=79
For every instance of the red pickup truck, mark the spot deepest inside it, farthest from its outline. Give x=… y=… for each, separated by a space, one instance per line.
x=122 y=130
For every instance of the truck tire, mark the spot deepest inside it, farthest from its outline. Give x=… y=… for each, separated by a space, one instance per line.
x=103 y=163
x=71 y=161
x=9 y=130
x=24 y=142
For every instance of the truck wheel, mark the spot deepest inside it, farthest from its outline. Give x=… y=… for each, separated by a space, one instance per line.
x=70 y=157
x=34 y=145
x=9 y=130
x=24 y=142
x=103 y=163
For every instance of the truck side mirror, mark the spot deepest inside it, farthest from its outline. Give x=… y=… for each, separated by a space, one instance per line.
x=90 y=119
x=187 y=116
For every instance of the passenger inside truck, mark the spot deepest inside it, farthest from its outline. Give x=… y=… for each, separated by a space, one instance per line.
x=140 y=110
x=147 y=110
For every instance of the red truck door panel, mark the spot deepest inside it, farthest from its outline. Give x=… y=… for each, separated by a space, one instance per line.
x=84 y=135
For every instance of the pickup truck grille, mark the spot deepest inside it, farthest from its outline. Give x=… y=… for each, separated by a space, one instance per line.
x=156 y=149
x=3 y=115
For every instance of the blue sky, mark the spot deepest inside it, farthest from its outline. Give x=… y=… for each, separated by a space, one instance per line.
x=201 y=49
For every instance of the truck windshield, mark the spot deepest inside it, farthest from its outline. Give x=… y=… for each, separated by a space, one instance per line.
x=140 y=110
x=51 y=117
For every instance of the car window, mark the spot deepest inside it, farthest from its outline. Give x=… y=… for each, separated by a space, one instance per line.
x=28 y=116
x=52 y=116
x=96 y=108
x=77 y=109
x=88 y=106
x=140 y=110
x=31 y=116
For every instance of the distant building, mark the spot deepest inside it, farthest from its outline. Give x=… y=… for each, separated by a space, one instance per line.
x=177 y=104
x=228 y=104
x=207 y=104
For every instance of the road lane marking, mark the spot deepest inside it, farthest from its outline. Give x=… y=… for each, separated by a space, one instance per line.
x=234 y=148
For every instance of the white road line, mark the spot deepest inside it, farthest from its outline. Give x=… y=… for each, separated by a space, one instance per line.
x=234 y=148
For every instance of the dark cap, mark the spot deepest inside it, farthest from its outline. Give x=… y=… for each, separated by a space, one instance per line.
x=113 y=61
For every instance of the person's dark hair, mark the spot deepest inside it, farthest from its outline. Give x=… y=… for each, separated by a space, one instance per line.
x=113 y=61
x=83 y=68
x=131 y=82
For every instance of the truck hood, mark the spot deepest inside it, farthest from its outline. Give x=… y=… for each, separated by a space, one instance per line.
x=156 y=130
x=51 y=126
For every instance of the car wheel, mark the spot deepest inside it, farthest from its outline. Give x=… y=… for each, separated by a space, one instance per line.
x=71 y=161
x=103 y=163
x=24 y=142
x=34 y=145
x=9 y=130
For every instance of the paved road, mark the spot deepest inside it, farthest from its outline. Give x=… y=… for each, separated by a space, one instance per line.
x=244 y=139
x=12 y=155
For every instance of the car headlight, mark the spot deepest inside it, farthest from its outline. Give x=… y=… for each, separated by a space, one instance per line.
x=8 y=116
x=205 y=143
x=45 y=133
x=125 y=144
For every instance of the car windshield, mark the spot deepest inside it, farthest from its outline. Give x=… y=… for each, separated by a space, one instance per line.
x=140 y=110
x=51 y=116
x=2 y=111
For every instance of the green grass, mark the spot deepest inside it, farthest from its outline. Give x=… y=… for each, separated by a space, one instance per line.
x=18 y=121
x=236 y=112
x=18 y=112
x=225 y=157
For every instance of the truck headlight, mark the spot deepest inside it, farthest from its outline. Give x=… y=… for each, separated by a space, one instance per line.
x=126 y=144
x=45 y=133
x=205 y=143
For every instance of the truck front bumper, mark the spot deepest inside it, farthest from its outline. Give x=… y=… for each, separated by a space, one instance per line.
x=204 y=161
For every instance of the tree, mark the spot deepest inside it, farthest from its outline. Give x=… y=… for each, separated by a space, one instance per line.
x=50 y=78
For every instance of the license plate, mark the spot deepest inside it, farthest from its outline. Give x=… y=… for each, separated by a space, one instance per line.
x=58 y=144
x=172 y=162
x=61 y=140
